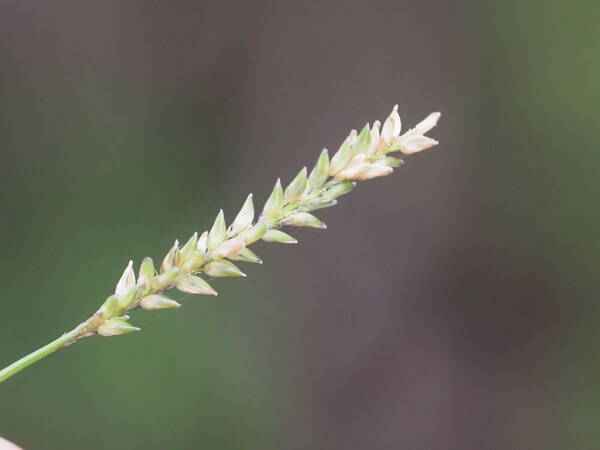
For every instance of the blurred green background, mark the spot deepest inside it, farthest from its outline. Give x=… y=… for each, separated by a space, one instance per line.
x=451 y=306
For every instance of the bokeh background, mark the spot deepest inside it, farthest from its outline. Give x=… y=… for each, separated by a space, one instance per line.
x=451 y=306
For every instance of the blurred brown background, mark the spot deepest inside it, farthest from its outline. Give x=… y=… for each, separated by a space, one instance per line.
x=450 y=306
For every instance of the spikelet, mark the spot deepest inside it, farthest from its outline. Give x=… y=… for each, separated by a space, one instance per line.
x=361 y=156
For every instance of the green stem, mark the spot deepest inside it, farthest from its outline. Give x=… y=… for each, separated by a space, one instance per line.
x=28 y=360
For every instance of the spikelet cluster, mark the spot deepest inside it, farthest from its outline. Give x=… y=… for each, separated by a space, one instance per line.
x=214 y=253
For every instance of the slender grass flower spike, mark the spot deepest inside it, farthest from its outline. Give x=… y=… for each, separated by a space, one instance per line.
x=363 y=155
